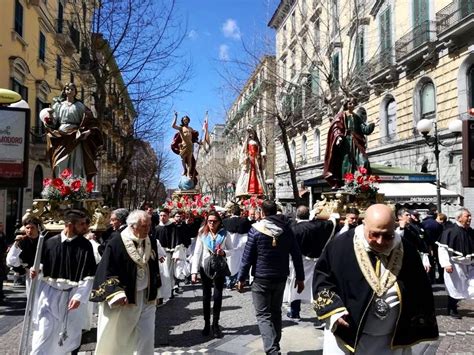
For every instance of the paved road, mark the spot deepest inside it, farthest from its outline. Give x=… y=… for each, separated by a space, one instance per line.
x=179 y=324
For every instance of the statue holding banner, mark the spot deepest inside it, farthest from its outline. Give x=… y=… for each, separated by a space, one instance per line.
x=183 y=145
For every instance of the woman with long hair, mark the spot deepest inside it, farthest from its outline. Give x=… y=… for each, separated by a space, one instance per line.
x=212 y=240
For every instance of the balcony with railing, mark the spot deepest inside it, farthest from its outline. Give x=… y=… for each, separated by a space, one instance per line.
x=455 y=19
x=67 y=36
x=378 y=67
x=416 y=43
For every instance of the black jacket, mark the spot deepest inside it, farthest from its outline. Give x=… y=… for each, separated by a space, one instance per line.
x=117 y=272
x=338 y=283
x=269 y=254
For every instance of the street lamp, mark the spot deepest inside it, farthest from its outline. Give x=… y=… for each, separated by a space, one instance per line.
x=425 y=126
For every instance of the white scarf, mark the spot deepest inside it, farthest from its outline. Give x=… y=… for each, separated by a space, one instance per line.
x=139 y=254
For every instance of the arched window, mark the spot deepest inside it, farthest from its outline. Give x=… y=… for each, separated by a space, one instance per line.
x=293 y=151
x=317 y=145
x=37 y=181
x=470 y=79
x=19 y=71
x=303 y=148
x=391 y=122
x=427 y=100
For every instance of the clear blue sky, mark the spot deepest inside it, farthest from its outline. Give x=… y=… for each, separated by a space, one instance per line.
x=216 y=30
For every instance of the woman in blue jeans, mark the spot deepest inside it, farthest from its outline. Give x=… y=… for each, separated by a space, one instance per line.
x=212 y=239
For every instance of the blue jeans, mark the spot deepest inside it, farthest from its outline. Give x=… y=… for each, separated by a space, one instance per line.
x=230 y=281
x=267 y=299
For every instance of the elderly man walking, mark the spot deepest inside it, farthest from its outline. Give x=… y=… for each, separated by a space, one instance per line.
x=270 y=243
x=126 y=286
x=372 y=290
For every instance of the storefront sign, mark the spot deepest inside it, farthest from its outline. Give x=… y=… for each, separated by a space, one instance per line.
x=14 y=139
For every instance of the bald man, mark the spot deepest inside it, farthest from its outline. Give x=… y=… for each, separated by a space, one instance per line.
x=372 y=290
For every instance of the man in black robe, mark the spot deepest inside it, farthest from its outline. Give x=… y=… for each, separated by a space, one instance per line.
x=456 y=249
x=312 y=236
x=175 y=238
x=238 y=228
x=67 y=274
x=126 y=285
x=370 y=285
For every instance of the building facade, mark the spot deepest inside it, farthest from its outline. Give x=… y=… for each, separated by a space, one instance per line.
x=403 y=63
x=211 y=167
x=254 y=106
x=41 y=49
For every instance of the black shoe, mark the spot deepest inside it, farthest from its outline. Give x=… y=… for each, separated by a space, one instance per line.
x=454 y=314
x=206 y=330
x=216 y=331
x=293 y=316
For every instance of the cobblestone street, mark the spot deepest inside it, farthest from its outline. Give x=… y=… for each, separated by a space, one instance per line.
x=179 y=324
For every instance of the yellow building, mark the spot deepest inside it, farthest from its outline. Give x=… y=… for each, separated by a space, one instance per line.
x=405 y=61
x=41 y=50
x=253 y=106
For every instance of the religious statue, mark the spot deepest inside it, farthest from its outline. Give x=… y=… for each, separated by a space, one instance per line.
x=252 y=159
x=346 y=143
x=73 y=135
x=183 y=145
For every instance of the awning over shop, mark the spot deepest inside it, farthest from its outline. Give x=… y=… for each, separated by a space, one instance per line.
x=414 y=192
x=386 y=173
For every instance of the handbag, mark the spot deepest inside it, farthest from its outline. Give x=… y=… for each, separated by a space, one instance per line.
x=216 y=266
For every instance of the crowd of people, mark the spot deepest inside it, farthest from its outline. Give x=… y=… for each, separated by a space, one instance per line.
x=369 y=280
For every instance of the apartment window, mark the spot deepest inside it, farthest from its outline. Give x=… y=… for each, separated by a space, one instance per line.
x=60 y=24
x=293 y=151
x=335 y=17
x=315 y=82
x=317 y=35
x=42 y=46
x=304 y=142
x=317 y=145
x=385 y=27
x=391 y=118
x=304 y=53
x=18 y=18
x=19 y=88
x=293 y=23
x=428 y=100
x=471 y=86
x=283 y=69
x=59 y=65
x=360 y=49
x=335 y=67
x=38 y=181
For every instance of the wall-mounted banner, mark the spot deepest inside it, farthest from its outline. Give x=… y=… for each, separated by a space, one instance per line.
x=14 y=143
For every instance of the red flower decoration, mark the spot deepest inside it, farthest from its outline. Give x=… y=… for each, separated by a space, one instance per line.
x=66 y=173
x=362 y=170
x=76 y=185
x=179 y=205
x=65 y=190
x=360 y=180
x=47 y=182
x=89 y=186
x=57 y=183
x=349 y=177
